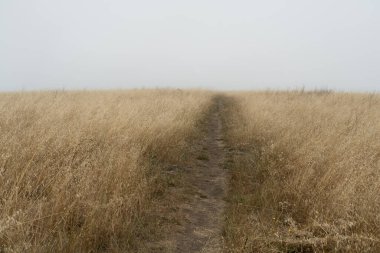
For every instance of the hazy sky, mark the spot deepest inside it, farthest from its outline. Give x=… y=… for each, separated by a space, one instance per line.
x=199 y=43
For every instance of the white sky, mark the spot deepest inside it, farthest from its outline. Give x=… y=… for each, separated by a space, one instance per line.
x=50 y=44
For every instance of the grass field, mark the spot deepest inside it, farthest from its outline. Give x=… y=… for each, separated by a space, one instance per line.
x=78 y=169
x=305 y=172
x=85 y=171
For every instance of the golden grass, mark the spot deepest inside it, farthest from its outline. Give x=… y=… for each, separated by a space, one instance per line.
x=305 y=172
x=84 y=171
x=78 y=169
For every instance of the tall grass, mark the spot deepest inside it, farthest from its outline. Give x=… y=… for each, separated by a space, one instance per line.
x=305 y=172
x=78 y=169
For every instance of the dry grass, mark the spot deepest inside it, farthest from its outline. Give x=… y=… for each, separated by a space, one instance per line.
x=84 y=171
x=78 y=169
x=305 y=172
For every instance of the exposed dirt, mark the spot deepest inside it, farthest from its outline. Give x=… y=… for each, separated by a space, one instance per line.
x=204 y=213
x=203 y=196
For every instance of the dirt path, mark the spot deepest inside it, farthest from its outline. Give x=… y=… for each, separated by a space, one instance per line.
x=193 y=211
x=202 y=228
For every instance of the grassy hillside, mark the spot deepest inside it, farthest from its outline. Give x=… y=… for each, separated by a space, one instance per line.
x=305 y=172
x=78 y=169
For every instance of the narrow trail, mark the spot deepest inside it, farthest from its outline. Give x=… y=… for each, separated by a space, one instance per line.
x=202 y=228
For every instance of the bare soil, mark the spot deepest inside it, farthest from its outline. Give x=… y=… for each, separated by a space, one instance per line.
x=203 y=196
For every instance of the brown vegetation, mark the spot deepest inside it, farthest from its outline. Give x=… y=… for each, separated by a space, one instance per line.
x=78 y=169
x=305 y=170
x=90 y=171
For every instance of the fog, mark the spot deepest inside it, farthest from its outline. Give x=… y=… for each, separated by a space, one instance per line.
x=275 y=44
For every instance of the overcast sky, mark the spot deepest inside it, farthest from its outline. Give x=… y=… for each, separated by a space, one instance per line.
x=51 y=44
